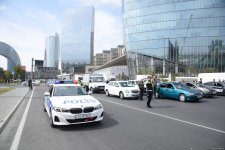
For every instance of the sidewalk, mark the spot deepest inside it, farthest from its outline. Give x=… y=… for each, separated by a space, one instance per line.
x=9 y=102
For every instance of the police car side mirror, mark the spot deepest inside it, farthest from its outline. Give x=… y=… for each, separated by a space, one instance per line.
x=46 y=94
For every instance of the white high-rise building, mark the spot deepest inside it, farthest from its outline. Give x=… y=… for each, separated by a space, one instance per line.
x=52 y=52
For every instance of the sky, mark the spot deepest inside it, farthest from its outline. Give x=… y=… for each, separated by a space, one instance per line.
x=24 y=25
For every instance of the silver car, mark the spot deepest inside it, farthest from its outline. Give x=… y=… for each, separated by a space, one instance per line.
x=206 y=90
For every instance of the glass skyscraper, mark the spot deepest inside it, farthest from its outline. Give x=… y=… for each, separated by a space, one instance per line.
x=52 y=52
x=77 y=38
x=187 y=32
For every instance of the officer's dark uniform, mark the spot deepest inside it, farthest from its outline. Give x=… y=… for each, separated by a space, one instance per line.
x=149 y=91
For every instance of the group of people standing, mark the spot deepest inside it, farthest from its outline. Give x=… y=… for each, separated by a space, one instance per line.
x=150 y=85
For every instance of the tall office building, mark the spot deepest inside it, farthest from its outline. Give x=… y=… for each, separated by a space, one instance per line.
x=188 y=32
x=77 y=39
x=52 y=52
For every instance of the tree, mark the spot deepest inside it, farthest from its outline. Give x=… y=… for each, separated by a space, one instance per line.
x=1 y=73
x=18 y=70
x=7 y=74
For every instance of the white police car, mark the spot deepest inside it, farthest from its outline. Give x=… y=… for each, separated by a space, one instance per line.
x=70 y=104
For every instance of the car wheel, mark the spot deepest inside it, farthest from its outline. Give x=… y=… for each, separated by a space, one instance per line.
x=51 y=119
x=157 y=95
x=121 y=95
x=182 y=97
x=107 y=92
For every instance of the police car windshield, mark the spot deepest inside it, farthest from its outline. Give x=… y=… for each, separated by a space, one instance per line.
x=125 y=84
x=69 y=91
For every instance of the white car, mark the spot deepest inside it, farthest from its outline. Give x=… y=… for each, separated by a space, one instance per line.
x=68 y=104
x=122 y=89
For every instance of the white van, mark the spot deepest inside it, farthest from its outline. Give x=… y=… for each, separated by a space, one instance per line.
x=207 y=77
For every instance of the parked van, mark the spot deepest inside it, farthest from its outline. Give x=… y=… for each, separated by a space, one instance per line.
x=207 y=77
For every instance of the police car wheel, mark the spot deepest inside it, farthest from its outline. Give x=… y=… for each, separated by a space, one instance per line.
x=121 y=95
x=51 y=120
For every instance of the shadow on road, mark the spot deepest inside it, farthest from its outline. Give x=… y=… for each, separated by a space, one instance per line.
x=107 y=122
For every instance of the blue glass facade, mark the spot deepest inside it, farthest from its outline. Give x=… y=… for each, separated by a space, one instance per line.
x=190 y=32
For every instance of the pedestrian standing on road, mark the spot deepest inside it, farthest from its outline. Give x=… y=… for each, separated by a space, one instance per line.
x=30 y=84
x=214 y=82
x=200 y=81
x=149 y=90
x=141 y=87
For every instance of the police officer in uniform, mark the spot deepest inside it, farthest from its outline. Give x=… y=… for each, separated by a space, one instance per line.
x=149 y=91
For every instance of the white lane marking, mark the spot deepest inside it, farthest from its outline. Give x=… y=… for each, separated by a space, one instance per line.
x=19 y=131
x=183 y=121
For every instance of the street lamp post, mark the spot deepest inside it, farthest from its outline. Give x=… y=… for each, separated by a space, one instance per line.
x=32 y=75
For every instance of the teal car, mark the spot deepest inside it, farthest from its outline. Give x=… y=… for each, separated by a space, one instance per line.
x=179 y=91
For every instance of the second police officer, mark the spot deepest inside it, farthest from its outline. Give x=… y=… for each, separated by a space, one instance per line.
x=149 y=91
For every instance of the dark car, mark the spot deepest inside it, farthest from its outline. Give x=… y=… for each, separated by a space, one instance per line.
x=218 y=86
x=206 y=90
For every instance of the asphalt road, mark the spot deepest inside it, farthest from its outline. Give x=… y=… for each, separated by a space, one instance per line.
x=127 y=125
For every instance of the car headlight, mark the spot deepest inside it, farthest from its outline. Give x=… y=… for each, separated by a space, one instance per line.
x=98 y=107
x=58 y=109
x=127 y=91
x=205 y=90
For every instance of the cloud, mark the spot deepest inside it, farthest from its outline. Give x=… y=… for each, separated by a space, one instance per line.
x=93 y=2
x=108 y=31
x=30 y=15
x=26 y=40
x=102 y=2
x=47 y=15
x=3 y=8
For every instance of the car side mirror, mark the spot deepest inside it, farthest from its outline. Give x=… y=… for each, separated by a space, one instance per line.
x=46 y=94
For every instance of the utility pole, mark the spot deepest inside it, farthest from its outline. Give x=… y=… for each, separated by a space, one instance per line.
x=32 y=75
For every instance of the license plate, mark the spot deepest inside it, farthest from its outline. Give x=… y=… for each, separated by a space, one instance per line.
x=80 y=116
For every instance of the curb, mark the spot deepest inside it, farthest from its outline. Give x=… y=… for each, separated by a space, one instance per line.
x=11 y=113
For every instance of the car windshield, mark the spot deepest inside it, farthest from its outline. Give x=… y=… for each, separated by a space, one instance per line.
x=97 y=79
x=69 y=91
x=125 y=84
x=179 y=85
